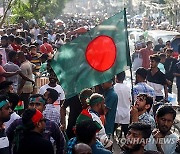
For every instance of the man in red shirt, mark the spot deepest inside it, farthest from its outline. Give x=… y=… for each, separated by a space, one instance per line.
x=146 y=52
x=46 y=47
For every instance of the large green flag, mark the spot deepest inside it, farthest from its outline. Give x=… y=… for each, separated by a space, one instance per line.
x=94 y=57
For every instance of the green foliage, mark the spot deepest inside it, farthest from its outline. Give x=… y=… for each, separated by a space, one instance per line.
x=36 y=9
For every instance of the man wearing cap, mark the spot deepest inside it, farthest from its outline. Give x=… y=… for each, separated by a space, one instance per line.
x=97 y=108
x=5 y=112
x=111 y=100
x=32 y=141
x=51 y=130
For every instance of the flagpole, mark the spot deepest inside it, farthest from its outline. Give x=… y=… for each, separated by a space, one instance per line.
x=128 y=55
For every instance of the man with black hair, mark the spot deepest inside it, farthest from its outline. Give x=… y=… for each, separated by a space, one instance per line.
x=54 y=85
x=37 y=101
x=146 y=52
x=169 y=66
x=140 y=85
x=32 y=141
x=12 y=67
x=84 y=97
x=5 y=48
x=162 y=139
x=11 y=40
x=137 y=138
x=124 y=103
x=50 y=112
x=156 y=79
x=97 y=108
x=86 y=133
x=46 y=47
x=13 y=100
x=5 y=112
x=140 y=111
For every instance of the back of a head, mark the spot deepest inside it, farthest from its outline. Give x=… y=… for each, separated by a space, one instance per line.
x=27 y=118
x=21 y=54
x=14 y=99
x=155 y=57
x=144 y=128
x=121 y=76
x=85 y=131
x=141 y=71
x=12 y=54
x=4 y=37
x=162 y=55
x=45 y=39
x=3 y=97
x=53 y=94
x=11 y=38
x=163 y=110
x=82 y=148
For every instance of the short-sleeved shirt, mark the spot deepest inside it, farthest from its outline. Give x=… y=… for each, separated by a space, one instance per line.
x=145 y=56
x=147 y=119
x=111 y=100
x=26 y=68
x=11 y=67
x=159 y=47
x=58 y=88
x=156 y=81
x=52 y=113
x=144 y=88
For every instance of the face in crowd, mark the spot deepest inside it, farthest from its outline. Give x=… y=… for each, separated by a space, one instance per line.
x=140 y=103
x=5 y=110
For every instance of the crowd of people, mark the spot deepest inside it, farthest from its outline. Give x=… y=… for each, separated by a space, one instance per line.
x=33 y=118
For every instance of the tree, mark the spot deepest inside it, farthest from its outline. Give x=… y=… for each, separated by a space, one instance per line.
x=37 y=9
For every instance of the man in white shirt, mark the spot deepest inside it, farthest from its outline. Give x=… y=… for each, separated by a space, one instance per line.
x=53 y=85
x=124 y=103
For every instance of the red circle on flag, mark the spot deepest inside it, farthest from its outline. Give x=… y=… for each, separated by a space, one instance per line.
x=101 y=53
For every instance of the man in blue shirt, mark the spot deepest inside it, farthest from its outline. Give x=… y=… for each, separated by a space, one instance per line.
x=111 y=100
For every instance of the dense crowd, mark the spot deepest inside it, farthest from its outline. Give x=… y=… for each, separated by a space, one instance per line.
x=33 y=104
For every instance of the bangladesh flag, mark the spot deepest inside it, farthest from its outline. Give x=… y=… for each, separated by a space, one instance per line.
x=94 y=57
